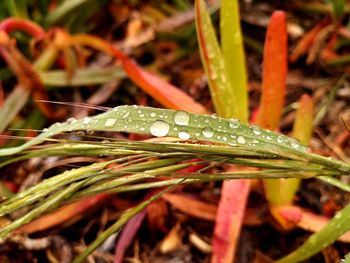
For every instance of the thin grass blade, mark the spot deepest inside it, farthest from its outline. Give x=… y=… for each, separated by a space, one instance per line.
x=225 y=100
x=233 y=54
x=336 y=227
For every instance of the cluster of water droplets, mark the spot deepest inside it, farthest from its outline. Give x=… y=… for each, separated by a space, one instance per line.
x=182 y=125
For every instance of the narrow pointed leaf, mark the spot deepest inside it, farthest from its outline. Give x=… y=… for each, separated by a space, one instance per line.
x=123 y=219
x=81 y=77
x=282 y=191
x=274 y=72
x=161 y=122
x=167 y=94
x=223 y=95
x=337 y=226
x=233 y=54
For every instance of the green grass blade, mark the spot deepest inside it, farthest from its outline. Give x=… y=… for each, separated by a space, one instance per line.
x=50 y=203
x=183 y=125
x=62 y=10
x=161 y=122
x=82 y=77
x=233 y=54
x=13 y=104
x=124 y=218
x=223 y=95
x=346 y=259
x=337 y=226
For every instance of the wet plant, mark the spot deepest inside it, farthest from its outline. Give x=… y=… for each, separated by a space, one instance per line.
x=187 y=147
x=232 y=142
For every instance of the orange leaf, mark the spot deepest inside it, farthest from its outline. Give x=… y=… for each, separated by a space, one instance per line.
x=307 y=40
x=161 y=90
x=191 y=206
x=274 y=72
x=17 y=24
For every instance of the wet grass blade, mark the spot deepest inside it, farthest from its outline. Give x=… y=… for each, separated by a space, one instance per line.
x=183 y=125
x=337 y=226
x=223 y=94
x=281 y=192
x=233 y=54
x=124 y=218
x=180 y=124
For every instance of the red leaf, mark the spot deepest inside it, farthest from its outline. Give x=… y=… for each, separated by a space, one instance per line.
x=127 y=234
x=16 y=24
x=234 y=195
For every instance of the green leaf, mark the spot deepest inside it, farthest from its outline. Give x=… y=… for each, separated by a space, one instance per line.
x=123 y=219
x=161 y=122
x=82 y=77
x=227 y=103
x=233 y=54
x=337 y=226
x=183 y=125
x=61 y=11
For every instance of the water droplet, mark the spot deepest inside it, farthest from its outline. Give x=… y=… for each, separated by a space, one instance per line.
x=181 y=118
x=295 y=145
x=110 y=122
x=125 y=115
x=184 y=135
x=234 y=123
x=241 y=140
x=208 y=132
x=153 y=114
x=71 y=120
x=256 y=130
x=86 y=120
x=80 y=133
x=280 y=139
x=159 y=128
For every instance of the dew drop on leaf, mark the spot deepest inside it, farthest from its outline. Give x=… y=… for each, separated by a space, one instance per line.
x=71 y=120
x=159 y=128
x=110 y=122
x=241 y=140
x=181 y=118
x=208 y=132
x=86 y=120
x=184 y=135
x=126 y=114
x=256 y=130
x=234 y=123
